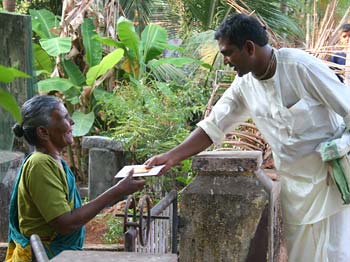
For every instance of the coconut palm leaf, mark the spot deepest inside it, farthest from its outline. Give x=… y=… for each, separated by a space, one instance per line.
x=138 y=11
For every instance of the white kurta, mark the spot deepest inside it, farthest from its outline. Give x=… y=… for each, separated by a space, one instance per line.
x=301 y=106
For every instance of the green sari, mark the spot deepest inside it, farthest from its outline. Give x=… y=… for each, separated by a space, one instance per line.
x=19 y=245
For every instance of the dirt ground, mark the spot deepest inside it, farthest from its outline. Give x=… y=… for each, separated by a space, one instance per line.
x=97 y=227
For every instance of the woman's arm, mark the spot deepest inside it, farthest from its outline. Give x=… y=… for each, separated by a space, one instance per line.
x=71 y=221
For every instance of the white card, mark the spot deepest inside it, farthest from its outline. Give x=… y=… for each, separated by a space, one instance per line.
x=139 y=170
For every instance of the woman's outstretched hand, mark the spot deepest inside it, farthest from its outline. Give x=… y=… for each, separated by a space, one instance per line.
x=129 y=185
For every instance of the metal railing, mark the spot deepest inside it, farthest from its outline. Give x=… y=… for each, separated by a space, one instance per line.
x=152 y=229
x=38 y=250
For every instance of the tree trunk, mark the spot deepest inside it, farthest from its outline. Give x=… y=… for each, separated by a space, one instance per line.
x=9 y=5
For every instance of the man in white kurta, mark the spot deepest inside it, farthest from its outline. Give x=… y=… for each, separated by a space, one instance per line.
x=296 y=102
x=295 y=110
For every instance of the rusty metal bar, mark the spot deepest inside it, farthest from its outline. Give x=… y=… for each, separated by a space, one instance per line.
x=164 y=203
x=174 y=228
x=131 y=227
x=152 y=217
x=130 y=240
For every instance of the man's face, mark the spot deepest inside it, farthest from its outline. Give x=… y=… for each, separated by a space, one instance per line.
x=344 y=38
x=234 y=57
x=60 y=128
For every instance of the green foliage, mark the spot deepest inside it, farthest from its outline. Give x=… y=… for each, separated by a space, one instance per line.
x=153 y=118
x=42 y=23
x=42 y=60
x=83 y=122
x=186 y=171
x=57 y=45
x=155 y=105
x=8 y=74
x=129 y=37
x=203 y=15
x=139 y=11
x=54 y=6
x=142 y=53
x=73 y=72
x=7 y=101
x=54 y=84
x=106 y=64
x=179 y=61
x=153 y=40
x=115 y=233
x=93 y=48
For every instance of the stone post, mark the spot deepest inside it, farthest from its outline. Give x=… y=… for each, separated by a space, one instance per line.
x=15 y=51
x=106 y=158
x=9 y=167
x=225 y=214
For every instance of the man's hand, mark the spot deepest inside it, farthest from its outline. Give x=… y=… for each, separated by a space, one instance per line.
x=162 y=159
x=196 y=142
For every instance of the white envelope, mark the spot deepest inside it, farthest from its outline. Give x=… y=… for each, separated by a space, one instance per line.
x=150 y=172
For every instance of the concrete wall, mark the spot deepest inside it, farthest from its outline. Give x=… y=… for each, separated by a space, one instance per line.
x=15 y=51
x=106 y=158
x=9 y=167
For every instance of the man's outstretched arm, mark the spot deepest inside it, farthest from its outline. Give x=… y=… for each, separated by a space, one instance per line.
x=196 y=142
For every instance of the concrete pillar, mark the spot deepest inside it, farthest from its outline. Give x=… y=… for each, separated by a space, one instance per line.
x=106 y=158
x=225 y=215
x=15 y=51
x=9 y=167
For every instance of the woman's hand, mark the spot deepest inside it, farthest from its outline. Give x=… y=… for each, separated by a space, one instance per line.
x=129 y=185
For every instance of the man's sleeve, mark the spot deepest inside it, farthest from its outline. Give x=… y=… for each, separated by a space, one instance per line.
x=227 y=113
x=48 y=188
x=326 y=88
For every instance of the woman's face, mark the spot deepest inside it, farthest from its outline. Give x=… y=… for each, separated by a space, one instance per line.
x=60 y=128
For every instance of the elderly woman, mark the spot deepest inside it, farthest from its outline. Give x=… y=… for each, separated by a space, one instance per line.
x=45 y=199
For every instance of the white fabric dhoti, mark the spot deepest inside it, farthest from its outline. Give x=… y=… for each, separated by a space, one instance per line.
x=325 y=241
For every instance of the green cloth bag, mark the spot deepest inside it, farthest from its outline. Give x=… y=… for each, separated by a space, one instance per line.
x=340 y=173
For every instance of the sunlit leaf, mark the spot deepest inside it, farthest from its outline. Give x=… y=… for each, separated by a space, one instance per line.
x=8 y=102
x=54 y=84
x=7 y=74
x=73 y=72
x=107 y=63
x=128 y=36
x=56 y=46
x=42 y=61
x=154 y=40
x=42 y=21
x=83 y=123
x=108 y=41
x=179 y=61
x=101 y=95
x=93 y=48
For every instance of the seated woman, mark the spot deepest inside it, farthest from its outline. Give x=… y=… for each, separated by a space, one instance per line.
x=45 y=200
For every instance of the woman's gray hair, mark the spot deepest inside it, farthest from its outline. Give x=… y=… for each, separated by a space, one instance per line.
x=36 y=112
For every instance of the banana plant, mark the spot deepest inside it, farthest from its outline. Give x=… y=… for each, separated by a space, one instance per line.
x=73 y=75
x=143 y=55
x=72 y=81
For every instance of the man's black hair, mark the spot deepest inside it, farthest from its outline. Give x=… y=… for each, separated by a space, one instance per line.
x=345 y=28
x=239 y=28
